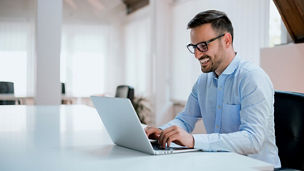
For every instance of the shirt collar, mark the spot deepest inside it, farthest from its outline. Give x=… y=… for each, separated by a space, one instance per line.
x=232 y=66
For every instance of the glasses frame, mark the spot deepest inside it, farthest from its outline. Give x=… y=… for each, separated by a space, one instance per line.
x=205 y=44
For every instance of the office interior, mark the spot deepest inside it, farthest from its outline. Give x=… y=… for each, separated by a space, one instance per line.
x=61 y=52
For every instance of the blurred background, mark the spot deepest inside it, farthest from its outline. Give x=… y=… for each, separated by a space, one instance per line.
x=90 y=47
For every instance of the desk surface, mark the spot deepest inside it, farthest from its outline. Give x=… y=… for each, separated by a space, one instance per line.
x=74 y=138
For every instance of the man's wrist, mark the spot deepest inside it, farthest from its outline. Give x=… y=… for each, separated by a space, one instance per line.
x=193 y=141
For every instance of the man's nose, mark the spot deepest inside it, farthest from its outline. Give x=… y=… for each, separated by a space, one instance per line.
x=198 y=53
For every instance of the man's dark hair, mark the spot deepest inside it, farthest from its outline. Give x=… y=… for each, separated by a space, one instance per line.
x=218 y=20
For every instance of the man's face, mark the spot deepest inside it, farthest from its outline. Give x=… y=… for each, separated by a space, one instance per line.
x=210 y=60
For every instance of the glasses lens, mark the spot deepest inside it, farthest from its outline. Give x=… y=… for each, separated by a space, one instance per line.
x=203 y=47
x=191 y=48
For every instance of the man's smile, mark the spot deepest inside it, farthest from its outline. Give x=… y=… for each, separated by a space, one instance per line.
x=204 y=61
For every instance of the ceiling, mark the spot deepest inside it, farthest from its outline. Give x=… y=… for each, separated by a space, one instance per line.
x=92 y=11
x=133 y=5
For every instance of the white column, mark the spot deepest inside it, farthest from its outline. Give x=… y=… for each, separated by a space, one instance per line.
x=48 y=38
x=161 y=23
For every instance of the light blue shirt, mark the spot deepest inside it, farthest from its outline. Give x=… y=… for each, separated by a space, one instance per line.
x=237 y=111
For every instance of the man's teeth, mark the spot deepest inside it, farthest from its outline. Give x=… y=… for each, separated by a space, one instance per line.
x=204 y=60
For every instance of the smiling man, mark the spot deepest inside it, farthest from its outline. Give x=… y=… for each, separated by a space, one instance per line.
x=233 y=97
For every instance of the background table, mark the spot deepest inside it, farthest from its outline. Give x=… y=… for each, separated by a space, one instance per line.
x=72 y=137
x=30 y=100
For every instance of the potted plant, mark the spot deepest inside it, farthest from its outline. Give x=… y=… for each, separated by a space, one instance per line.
x=142 y=108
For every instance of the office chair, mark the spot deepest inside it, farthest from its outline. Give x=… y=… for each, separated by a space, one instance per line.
x=63 y=93
x=7 y=88
x=289 y=128
x=63 y=88
x=125 y=91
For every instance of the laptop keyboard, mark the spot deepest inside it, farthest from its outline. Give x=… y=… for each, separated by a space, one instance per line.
x=156 y=146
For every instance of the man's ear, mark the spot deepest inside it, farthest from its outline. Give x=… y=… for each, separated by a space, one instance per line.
x=228 y=40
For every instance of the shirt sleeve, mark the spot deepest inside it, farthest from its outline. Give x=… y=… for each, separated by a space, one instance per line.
x=189 y=116
x=256 y=109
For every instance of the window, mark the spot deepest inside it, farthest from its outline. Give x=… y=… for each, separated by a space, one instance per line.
x=137 y=49
x=17 y=38
x=275 y=25
x=83 y=52
x=15 y=54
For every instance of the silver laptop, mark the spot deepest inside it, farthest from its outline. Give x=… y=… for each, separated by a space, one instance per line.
x=125 y=129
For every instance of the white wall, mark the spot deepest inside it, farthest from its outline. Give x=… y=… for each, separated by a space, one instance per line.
x=137 y=51
x=147 y=55
x=160 y=51
x=284 y=65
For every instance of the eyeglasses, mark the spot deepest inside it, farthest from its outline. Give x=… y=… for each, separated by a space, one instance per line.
x=202 y=46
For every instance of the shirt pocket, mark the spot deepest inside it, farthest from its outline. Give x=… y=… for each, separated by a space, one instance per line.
x=231 y=118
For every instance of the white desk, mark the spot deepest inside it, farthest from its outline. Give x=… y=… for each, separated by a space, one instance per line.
x=73 y=138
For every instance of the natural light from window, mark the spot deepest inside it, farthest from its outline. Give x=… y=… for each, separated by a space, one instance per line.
x=14 y=46
x=83 y=49
x=275 y=26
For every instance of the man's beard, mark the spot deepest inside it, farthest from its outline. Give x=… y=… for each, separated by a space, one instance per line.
x=206 y=64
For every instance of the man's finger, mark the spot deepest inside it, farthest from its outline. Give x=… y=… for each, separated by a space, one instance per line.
x=148 y=132
x=163 y=132
x=166 y=137
x=150 y=129
x=171 y=128
x=152 y=132
x=171 y=139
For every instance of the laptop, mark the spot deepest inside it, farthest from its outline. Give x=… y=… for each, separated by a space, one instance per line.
x=125 y=129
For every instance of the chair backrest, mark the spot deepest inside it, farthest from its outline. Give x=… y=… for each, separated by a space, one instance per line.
x=7 y=88
x=125 y=91
x=62 y=88
x=289 y=128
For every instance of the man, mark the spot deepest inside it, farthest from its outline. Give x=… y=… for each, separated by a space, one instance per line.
x=233 y=97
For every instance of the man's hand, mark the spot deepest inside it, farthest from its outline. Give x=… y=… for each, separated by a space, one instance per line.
x=153 y=132
x=177 y=135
